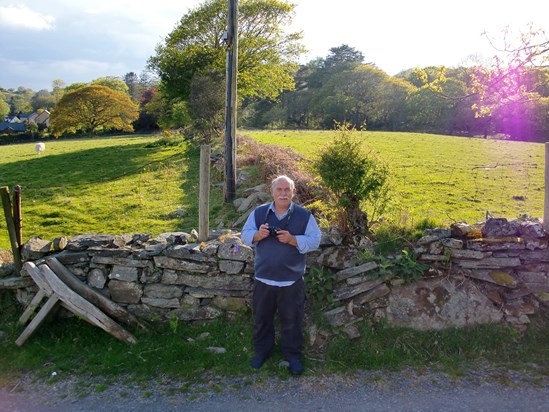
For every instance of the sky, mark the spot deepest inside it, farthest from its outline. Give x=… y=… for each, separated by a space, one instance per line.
x=79 y=41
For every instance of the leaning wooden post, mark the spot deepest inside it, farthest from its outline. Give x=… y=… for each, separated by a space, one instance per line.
x=6 y=202
x=17 y=216
x=546 y=205
x=204 y=193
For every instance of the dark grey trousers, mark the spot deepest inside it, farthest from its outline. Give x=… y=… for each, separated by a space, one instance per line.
x=289 y=301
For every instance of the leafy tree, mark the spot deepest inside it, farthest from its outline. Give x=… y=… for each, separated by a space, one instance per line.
x=20 y=101
x=354 y=96
x=93 y=108
x=207 y=104
x=43 y=99
x=4 y=109
x=266 y=54
x=132 y=82
x=32 y=128
x=112 y=82
x=58 y=88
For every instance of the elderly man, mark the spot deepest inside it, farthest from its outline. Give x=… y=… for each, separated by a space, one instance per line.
x=282 y=233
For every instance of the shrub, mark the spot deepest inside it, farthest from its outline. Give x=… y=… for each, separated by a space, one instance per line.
x=354 y=177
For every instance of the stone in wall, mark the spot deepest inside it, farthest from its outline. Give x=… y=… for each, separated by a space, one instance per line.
x=125 y=273
x=338 y=257
x=440 y=303
x=232 y=248
x=83 y=242
x=35 y=248
x=125 y=292
x=162 y=291
x=97 y=279
x=229 y=303
x=231 y=267
x=228 y=282
x=195 y=313
x=188 y=252
x=165 y=262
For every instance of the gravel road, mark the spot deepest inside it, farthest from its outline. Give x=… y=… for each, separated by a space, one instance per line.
x=483 y=389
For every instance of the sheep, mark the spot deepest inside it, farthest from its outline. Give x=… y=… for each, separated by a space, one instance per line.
x=40 y=147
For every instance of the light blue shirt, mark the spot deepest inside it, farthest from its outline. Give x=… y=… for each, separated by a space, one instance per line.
x=306 y=242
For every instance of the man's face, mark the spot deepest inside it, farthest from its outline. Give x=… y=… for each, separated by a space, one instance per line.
x=282 y=193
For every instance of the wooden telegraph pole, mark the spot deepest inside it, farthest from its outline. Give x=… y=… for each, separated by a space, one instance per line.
x=230 y=107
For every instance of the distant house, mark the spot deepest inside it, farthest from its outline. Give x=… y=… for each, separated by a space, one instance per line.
x=18 y=124
x=12 y=127
x=43 y=119
x=13 y=119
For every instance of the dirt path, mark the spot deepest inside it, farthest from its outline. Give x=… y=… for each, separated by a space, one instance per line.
x=408 y=390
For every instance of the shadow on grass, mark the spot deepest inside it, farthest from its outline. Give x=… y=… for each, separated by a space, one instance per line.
x=83 y=167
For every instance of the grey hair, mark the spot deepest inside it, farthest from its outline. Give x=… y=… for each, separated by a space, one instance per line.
x=283 y=177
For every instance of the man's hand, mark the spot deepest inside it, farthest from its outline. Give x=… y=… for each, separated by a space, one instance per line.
x=262 y=233
x=286 y=237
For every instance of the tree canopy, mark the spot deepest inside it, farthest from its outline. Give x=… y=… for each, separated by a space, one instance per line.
x=267 y=55
x=93 y=108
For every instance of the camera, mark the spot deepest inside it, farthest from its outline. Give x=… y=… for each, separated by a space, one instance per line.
x=273 y=231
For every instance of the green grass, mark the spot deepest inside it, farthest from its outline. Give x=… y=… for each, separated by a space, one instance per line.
x=123 y=185
x=104 y=185
x=73 y=347
x=444 y=178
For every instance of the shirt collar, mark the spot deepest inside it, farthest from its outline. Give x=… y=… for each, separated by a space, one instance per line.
x=271 y=207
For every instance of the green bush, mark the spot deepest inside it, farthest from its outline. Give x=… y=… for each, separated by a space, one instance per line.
x=356 y=179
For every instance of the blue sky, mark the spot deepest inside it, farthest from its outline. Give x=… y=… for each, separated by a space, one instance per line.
x=78 y=41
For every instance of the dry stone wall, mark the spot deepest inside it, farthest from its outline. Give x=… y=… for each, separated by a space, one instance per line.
x=486 y=273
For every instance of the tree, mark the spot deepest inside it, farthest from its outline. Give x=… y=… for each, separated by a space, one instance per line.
x=4 y=109
x=43 y=99
x=207 y=104
x=504 y=86
x=112 y=82
x=93 y=108
x=58 y=88
x=267 y=55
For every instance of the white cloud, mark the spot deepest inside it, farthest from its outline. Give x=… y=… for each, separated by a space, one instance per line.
x=24 y=17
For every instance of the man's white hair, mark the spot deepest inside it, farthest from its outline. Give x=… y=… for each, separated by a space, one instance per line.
x=283 y=177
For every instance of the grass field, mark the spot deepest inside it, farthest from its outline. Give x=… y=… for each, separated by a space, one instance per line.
x=109 y=185
x=123 y=185
x=444 y=178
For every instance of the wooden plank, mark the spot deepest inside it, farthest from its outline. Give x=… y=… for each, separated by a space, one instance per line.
x=108 y=306
x=50 y=305
x=80 y=306
x=38 y=277
x=32 y=306
x=16 y=282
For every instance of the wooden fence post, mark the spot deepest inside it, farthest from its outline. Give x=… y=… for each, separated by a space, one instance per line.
x=6 y=203
x=546 y=204
x=17 y=216
x=204 y=193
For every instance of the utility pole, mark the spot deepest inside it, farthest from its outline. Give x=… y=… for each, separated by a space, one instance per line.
x=230 y=108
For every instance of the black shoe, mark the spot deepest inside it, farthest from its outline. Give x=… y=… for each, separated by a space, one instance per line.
x=257 y=362
x=296 y=367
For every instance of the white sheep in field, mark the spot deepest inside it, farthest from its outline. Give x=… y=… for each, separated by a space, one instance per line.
x=40 y=147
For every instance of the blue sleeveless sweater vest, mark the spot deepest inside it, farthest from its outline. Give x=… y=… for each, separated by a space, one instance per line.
x=275 y=260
